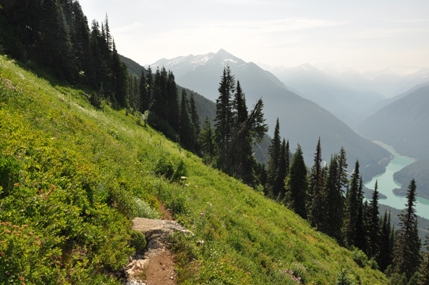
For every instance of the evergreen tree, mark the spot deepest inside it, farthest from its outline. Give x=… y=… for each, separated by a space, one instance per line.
x=360 y=228
x=224 y=116
x=206 y=141
x=187 y=132
x=342 y=180
x=194 y=115
x=273 y=162
x=144 y=94
x=424 y=268
x=315 y=206
x=149 y=86
x=352 y=209
x=407 y=256
x=384 y=258
x=333 y=202
x=297 y=185
x=173 y=104
x=282 y=170
x=119 y=79
x=373 y=222
x=55 y=45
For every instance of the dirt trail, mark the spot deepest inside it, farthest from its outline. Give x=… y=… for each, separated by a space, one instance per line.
x=156 y=265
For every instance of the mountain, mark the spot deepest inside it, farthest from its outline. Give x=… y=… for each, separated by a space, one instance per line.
x=74 y=176
x=397 y=79
x=418 y=170
x=301 y=120
x=349 y=105
x=403 y=124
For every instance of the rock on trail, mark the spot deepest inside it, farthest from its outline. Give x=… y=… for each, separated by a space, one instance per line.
x=155 y=265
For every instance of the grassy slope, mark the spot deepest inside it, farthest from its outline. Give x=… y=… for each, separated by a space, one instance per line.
x=248 y=239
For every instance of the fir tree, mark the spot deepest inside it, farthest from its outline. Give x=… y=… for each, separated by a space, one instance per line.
x=352 y=209
x=273 y=162
x=424 y=268
x=206 y=141
x=144 y=94
x=172 y=107
x=333 y=202
x=373 y=222
x=282 y=170
x=384 y=258
x=194 y=114
x=360 y=228
x=297 y=185
x=315 y=207
x=407 y=256
x=120 y=79
x=224 y=116
x=186 y=133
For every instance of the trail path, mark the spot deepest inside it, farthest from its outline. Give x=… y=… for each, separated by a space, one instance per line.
x=156 y=265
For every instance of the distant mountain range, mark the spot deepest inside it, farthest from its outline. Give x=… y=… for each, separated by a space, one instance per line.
x=404 y=124
x=350 y=105
x=301 y=121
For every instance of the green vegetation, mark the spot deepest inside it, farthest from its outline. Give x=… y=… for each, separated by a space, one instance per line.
x=73 y=176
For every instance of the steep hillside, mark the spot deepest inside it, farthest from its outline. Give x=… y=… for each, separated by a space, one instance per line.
x=73 y=176
x=301 y=121
x=403 y=124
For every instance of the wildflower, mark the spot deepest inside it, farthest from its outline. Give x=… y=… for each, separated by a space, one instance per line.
x=16 y=184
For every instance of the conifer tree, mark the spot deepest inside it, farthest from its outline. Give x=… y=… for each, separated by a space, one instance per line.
x=194 y=114
x=224 y=116
x=360 y=228
x=352 y=209
x=282 y=170
x=424 y=268
x=384 y=258
x=407 y=256
x=144 y=94
x=315 y=205
x=187 y=132
x=206 y=141
x=120 y=79
x=172 y=107
x=333 y=202
x=373 y=222
x=273 y=162
x=297 y=185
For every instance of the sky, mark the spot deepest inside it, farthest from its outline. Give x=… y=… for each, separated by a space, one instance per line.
x=364 y=35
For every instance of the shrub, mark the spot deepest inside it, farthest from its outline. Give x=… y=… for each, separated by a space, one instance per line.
x=138 y=241
x=359 y=257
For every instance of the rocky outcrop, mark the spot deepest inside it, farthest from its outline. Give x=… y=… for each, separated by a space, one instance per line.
x=157 y=233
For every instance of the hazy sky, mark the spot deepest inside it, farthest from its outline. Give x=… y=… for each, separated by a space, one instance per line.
x=362 y=34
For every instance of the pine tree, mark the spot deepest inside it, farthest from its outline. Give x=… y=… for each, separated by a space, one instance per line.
x=119 y=79
x=282 y=170
x=360 y=228
x=333 y=202
x=206 y=141
x=407 y=256
x=384 y=258
x=273 y=162
x=144 y=94
x=172 y=112
x=352 y=209
x=424 y=268
x=186 y=132
x=194 y=114
x=224 y=116
x=297 y=185
x=373 y=222
x=55 y=46
x=315 y=205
